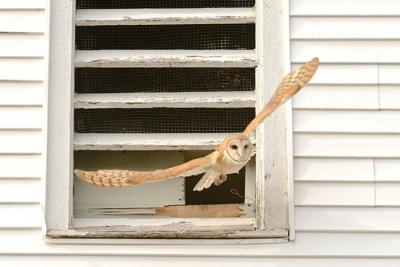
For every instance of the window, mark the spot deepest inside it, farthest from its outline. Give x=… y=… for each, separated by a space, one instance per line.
x=151 y=84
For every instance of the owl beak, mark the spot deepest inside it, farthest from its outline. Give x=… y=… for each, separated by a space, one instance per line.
x=240 y=152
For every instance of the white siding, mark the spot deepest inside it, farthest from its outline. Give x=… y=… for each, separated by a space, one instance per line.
x=346 y=145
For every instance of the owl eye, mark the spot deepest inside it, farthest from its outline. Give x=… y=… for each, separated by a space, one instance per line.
x=246 y=146
x=234 y=147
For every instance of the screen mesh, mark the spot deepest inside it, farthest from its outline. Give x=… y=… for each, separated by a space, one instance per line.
x=197 y=37
x=163 y=3
x=142 y=80
x=163 y=120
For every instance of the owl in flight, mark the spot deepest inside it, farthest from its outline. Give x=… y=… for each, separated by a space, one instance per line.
x=231 y=155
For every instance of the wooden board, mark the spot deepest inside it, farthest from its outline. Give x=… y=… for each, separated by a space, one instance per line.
x=164 y=58
x=95 y=17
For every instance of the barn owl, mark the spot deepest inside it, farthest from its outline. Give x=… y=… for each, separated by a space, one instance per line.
x=231 y=155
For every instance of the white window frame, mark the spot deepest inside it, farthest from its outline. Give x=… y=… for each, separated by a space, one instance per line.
x=274 y=172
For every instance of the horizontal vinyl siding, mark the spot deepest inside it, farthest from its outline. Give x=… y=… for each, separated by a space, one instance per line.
x=346 y=147
x=345 y=123
x=22 y=70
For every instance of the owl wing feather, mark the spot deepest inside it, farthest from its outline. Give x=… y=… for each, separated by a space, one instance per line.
x=289 y=86
x=117 y=178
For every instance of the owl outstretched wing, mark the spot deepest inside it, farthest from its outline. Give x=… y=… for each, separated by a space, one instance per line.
x=117 y=178
x=289 y=86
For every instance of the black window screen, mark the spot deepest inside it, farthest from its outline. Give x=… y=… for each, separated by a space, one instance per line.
x=151 y=80
x=196 y=37
x=163 y=120
x=163 y=3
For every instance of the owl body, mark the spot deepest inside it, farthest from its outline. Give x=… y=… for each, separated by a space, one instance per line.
x=233 y=154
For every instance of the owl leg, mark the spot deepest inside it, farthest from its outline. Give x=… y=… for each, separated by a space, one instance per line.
x=221 y=179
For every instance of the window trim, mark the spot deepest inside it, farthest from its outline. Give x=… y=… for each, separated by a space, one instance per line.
x=274 y=200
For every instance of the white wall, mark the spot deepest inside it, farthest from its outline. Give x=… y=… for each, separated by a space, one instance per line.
x=347 y=147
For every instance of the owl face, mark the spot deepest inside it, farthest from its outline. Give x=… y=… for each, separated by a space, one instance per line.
x=239 y=149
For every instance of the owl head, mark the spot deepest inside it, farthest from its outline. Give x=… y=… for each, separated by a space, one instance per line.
x=237 y=147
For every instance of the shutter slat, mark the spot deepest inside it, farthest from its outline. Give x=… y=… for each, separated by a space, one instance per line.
x=181 y=100
x=96 y=17
x=164 y=58
x=180 y=141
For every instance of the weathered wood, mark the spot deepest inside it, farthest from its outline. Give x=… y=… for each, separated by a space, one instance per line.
x=164 y=58
x=206 y=211
x=95 y=17
x=232 y=232
x=152 y=100
x=202 y=211
x=272 y=153
x=147 y=141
